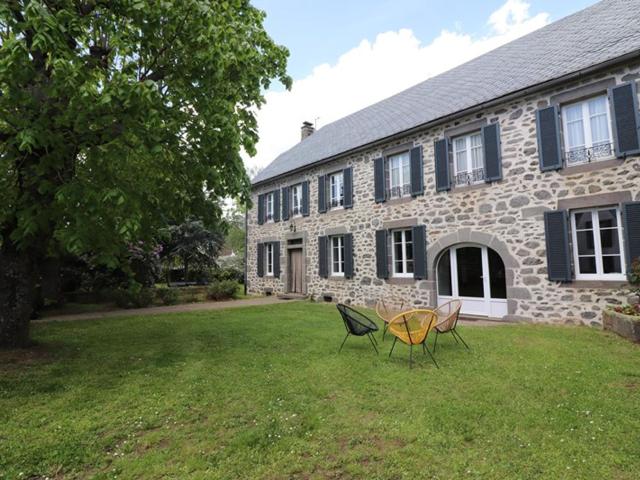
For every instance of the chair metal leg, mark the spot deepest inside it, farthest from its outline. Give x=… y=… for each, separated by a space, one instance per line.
x=456 y=334
x=435 y=342
x=384 y=330
x=374 y=337
x=426 y=349
x=372 y=342
x=454 y=337
x=392 y=346
x=345 y=339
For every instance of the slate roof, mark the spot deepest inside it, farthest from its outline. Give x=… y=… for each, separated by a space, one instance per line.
x=597 y=34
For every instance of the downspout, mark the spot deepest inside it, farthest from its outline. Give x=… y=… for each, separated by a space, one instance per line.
x=246 y=243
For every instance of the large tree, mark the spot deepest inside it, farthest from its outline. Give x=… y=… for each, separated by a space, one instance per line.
x=117 y=117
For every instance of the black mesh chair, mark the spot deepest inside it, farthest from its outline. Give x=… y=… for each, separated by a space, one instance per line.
x=357 y=324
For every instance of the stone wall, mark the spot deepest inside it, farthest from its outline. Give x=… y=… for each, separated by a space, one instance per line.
x=506 y=216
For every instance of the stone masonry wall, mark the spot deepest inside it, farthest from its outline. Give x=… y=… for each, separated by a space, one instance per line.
x=506 y=216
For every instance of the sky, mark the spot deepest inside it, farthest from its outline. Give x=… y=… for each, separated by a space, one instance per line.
x=348 y=54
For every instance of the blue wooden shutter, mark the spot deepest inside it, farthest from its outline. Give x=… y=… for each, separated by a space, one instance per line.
x=417 y=171
x=631 y=222
x=276 y=259
x=260 y=209
x=557 y=240
x=348 y=255
x=548 y=132
x=419 y=235
x=260 y=256
x=443 y=177
x=347 y=178
x=276 y=205
x=378 y=179
x=492 y=155
x=285 y=203
x=305 y=198
x=322 y=193
x=323 y=260
x=626 y=119
x=382 y=263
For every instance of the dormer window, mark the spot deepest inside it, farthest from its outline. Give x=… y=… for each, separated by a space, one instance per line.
x=587 y=131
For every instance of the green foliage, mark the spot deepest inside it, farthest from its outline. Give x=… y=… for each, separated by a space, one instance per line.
x=168 y=296
x=159 y=396
x=634 y=275
x=119 y=117
x=136 y=296
x=222 y=290
x=633 y=310
x=193 y=244
x=230 y=271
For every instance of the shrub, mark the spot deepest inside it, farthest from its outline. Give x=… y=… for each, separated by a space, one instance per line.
x=133 y=297
x=634 y=275
x=633 y=310
x=222 y=290
x=168 y=296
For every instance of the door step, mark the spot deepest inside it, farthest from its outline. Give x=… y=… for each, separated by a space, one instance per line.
x=293 y=296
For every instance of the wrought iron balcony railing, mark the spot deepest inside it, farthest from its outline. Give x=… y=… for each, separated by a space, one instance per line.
x=469 y=178
x=399 y=191
x=587 y=155
x=336 y=202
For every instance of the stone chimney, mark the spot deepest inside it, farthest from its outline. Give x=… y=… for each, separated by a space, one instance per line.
x=306 y=130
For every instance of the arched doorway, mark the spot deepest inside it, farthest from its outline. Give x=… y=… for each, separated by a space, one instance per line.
x=476 y=275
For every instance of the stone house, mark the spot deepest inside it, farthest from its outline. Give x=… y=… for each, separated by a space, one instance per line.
x=511 y=181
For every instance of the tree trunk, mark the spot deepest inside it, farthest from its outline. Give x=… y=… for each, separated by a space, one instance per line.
x=17 y=296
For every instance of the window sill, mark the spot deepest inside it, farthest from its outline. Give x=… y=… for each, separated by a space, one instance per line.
x=398 y=200
x=469 y=188
x=401 y=280
x=604 y=284
x=590 y=167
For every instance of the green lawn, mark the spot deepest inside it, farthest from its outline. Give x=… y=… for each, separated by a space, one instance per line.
x=262 y=393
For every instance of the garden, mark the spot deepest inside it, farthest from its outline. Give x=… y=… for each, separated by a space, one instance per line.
x=262 y=392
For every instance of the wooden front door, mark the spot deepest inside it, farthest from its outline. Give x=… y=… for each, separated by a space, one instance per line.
x=295 y=271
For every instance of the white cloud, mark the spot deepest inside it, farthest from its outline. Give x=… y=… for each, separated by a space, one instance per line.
x=371 y=72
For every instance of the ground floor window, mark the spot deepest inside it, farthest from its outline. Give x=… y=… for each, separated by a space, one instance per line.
x=269 y=259
x=597 y=244
x=402 y=253
x=337 y=255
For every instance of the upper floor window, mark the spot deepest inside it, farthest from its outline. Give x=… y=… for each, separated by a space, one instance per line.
x=468 y=159
x=402 y=252
x=296 y=200
x=269 y=259
x=587 y=130
x=336 y=190
x=337 y=255
x=269 y=204
x=399 y=175
x=597 y=250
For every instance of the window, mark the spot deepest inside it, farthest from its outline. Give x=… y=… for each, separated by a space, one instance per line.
x=337 y=255
x=296 y=200
x=468 y=159
x=402 y=253
x=336 y=190
x=597 y=249
x=269 y=258
x=269 y=204
x=587 y=130
x=399 y=175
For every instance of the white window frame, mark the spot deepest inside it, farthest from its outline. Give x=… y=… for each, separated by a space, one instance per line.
x=268 y=258
x=336 y=190
x=586 y=126
x=404 y=261
x=269 y=205
x=337 y=241
x=296 y=200
x=403 y=186
x=599 y=275
x=473 y=176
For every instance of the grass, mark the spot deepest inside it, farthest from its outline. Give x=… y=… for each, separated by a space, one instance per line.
x=262 y=393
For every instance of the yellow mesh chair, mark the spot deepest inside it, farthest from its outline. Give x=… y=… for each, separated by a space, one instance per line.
x=385 y=312
x=412 y=327
x=448 y=314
